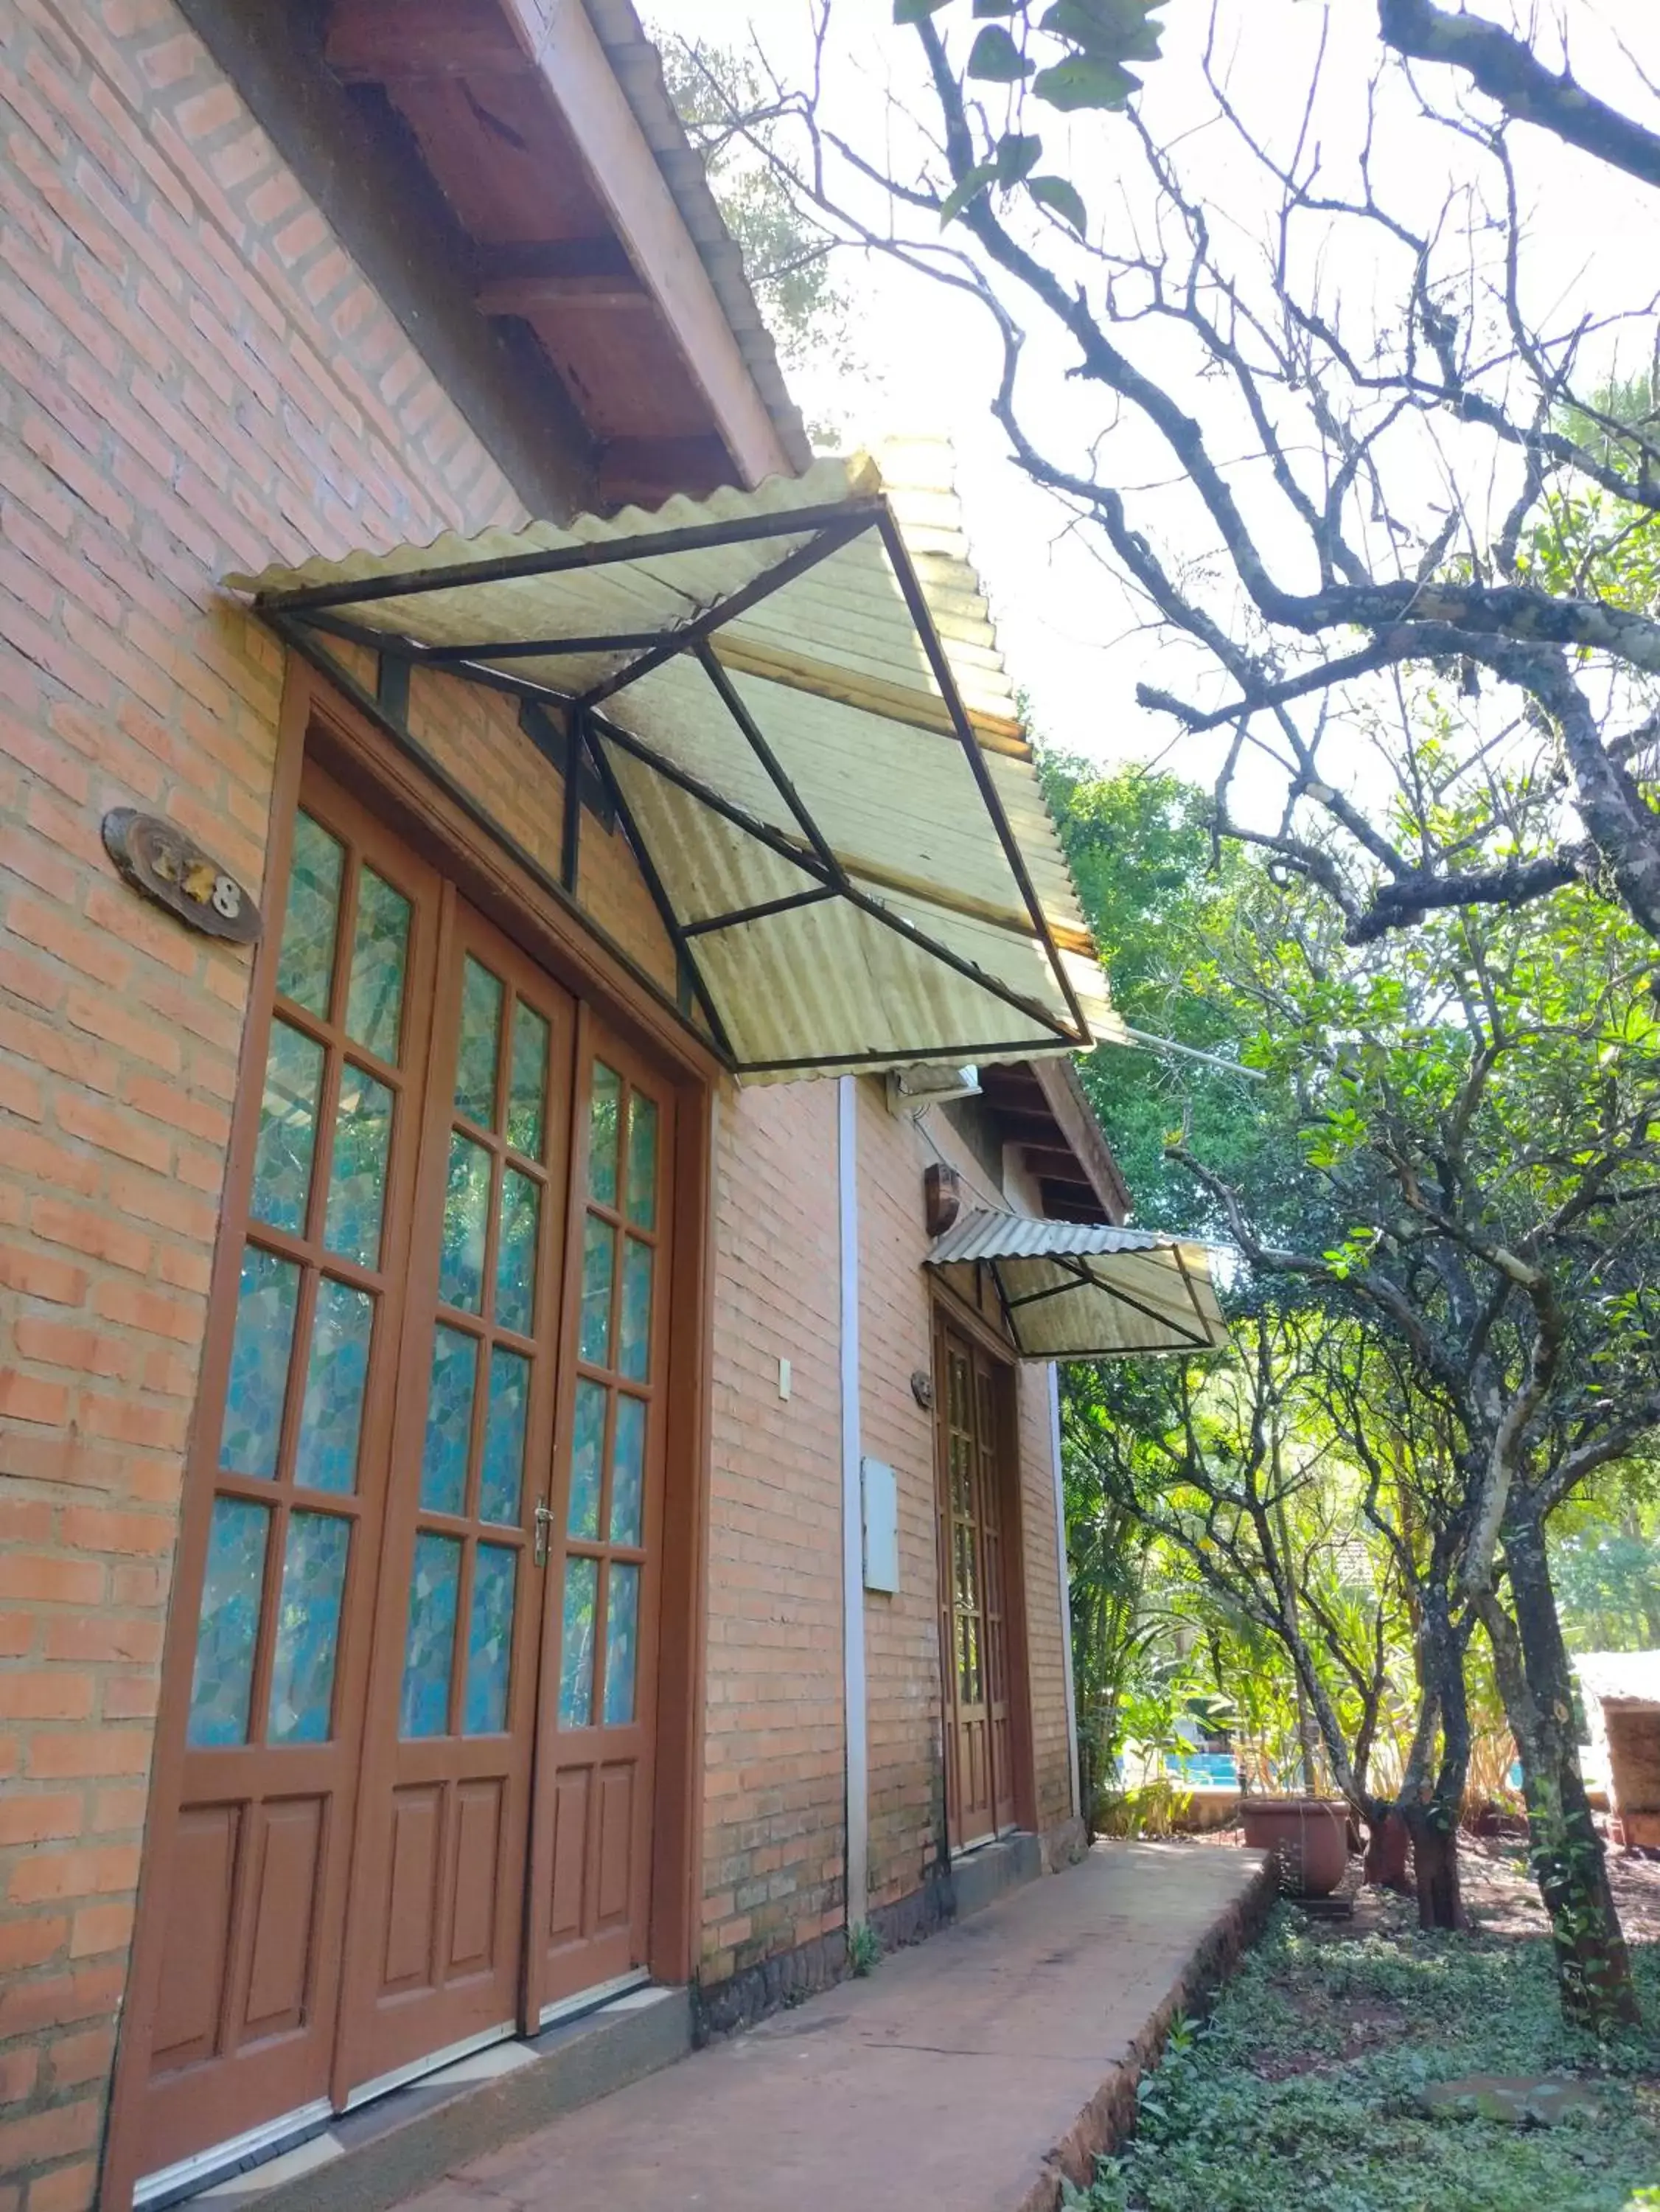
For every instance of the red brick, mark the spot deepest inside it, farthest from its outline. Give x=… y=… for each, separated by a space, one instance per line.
x=66 y=2188
x=19 y=2071
x=61 y=1344
x=44 y=1693
x=115 y=1133
x=41 y=1275
x=90 y=1753
x=48 y=1875
x=51 y=1580
x=32 y=1818
x=95 y=1234
x=59 y=2000
x=103 y=1636
x=25 y=1398
x=101 y=1927
x=31 y=1942
x=76 y=2059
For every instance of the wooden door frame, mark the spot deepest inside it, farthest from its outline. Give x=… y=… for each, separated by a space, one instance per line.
x=948 y=1311
x=453 y=832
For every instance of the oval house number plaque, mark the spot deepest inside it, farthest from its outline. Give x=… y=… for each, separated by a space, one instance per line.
x=158 y=858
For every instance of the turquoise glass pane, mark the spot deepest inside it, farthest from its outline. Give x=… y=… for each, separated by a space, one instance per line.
x=304 y=964
x=288 y=1130
x=515 y=1252
x=307 y=1628
x=621 y=1641
x=430 y=1641
x=357 y=1175
x=599 y=1243
x=449 y=1421
x=375 y=995
x=331 y=1411
x=634 y=1354
x=628 y=1472
x=602 y=1113
x=481 y=1040
x=527 y=1097
x=265 y=1301
x=503 y=1478
x=466 y=1208
x=643 y=1163
x=576 y=1650
x=490 y=1640
x=587 y=1461
x=229 y=1627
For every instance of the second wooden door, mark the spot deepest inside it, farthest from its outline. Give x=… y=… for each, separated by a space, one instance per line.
x=974 y=1617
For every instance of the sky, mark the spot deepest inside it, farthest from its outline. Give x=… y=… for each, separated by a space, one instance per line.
x=1072 y=641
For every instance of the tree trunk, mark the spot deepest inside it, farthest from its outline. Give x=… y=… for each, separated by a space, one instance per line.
x=1593 y=1968
x=1430 y=1812
x=1388 y=1837
x=1434 y=1832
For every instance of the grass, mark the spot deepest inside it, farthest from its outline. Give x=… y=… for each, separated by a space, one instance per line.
x=1304 y=2088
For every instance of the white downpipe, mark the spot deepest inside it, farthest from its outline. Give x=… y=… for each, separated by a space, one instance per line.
x=1065 y=1581
x=852 y=1508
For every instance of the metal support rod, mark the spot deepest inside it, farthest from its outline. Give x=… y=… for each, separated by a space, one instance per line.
x=810 y=865
x=1087 y=1281
x=805 y=558
x=727 y=693
x=764 y=912
x=654 y=883
x=600 y=553
x=922 y=618
x=570 y=843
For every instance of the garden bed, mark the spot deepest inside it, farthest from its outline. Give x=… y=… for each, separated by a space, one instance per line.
x=1308 y=2087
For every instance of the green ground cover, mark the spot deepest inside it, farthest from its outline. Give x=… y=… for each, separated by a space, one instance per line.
x=1305 y=2088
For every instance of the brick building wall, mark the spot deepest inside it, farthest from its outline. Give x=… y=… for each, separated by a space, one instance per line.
x=194 y=379
x=775 y=1754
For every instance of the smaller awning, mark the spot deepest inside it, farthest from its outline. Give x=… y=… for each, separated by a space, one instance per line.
x=1073 y=1290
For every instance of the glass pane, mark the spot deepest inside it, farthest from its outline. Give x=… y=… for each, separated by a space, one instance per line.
x=643 y=1163
x=288 y=1130
x=466 y=1205
x=429 y=1643
x=634 y=1358
x=374 y=996
x=599 y=1242
x=602 y=1134
x=628 y=1472
x=229 y=1627
x=306 y=963
x=576 y=1657
x=528 y=1097
x=357 y=1175
x=265 y=1304
x=481 y=1036
x=331 y=1411
x=504 y=1438
x=515 y=1252
x=307 y=1628
x=490 y=1640
x=449 y=1421
x=622 y=1637
x=587 y=1461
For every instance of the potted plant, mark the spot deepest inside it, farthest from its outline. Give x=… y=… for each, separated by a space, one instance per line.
x=1308 y=1837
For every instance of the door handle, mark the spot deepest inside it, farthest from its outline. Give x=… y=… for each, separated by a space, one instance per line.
x=544 y=1522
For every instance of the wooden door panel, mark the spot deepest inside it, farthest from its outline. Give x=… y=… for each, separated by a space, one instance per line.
x=284 y=1915
x=592 y=1832
x=452 y=1702
x=974 y=1619
x=197 y=1949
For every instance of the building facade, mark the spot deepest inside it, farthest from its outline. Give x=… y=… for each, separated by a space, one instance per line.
x=491 y=1507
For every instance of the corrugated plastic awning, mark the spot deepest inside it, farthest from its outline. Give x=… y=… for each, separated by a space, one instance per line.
x=795 y=700
x=1078 y=1291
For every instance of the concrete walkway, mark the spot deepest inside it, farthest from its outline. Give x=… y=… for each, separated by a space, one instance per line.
x=963 y=2076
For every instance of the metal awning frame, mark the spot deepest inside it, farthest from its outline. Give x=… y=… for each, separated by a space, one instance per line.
x=305 y=618
x=1083 y=1278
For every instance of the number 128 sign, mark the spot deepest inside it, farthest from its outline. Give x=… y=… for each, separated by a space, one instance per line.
x=158 y=858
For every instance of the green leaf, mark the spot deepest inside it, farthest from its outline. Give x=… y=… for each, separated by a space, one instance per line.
x=1085 y=83
x=917 y=12
x=1108 y=30
x=984 y=174
x=1063 y=199
x=995 y=57
x=1018 y=154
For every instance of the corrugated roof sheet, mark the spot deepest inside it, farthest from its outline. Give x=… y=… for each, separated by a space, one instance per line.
x=1075 y=1289
x=932 y=860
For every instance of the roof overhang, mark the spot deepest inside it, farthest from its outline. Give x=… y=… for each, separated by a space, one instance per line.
x=794 y=700
x=1088 y=1291
x=1043 y=1111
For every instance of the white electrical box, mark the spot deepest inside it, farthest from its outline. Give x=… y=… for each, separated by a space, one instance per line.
x=882 y=1526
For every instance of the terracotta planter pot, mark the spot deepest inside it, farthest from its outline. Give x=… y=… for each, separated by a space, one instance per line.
x=1308 y=1836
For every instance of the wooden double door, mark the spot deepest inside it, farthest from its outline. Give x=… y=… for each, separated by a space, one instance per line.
x=405 y=1795
x=979 y=1632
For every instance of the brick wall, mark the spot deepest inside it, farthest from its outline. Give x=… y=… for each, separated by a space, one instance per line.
x=775 y=1754
x=193 y=379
